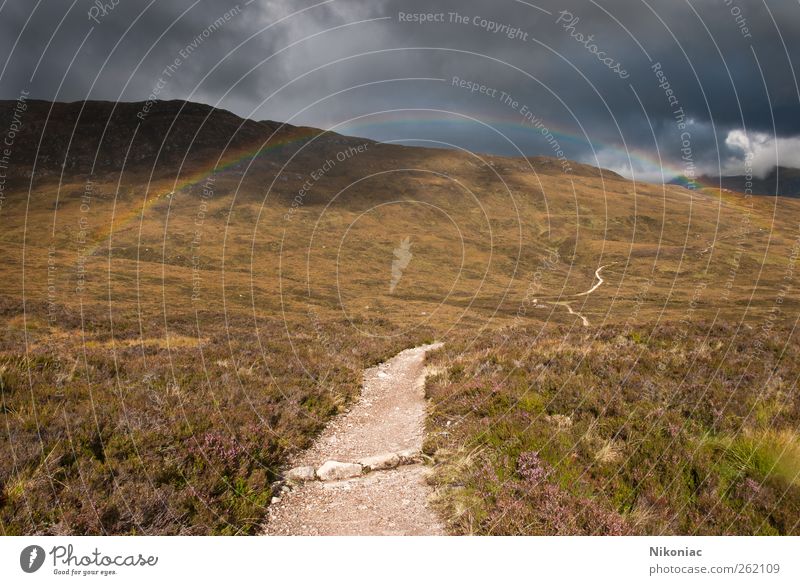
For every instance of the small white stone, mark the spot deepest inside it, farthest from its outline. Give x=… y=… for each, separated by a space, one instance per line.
x=297 y=474
x=332 y=470
x=382 y=461
x=409 y=456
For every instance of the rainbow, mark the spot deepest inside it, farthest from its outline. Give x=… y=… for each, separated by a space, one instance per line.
x=643 y=163
x=384 y=124
x=231 y=159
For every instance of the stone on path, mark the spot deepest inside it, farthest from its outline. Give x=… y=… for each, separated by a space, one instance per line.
x=382 y=461
x=298 y=474
x=408 y=456
x=385 y=489
x=332 y=470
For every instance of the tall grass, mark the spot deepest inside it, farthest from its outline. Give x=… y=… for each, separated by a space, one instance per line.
x=675 y=431
x=767 y=455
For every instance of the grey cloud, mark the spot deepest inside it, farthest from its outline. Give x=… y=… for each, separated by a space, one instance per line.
x=714 y=68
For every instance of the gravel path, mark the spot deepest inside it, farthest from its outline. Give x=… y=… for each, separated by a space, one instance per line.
x=568 y=304
x=388 y=417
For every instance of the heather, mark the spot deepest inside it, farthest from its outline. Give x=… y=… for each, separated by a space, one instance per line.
x=169 y=433
x=678 y=429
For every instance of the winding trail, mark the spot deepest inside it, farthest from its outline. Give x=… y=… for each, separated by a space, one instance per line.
x=571 y=311
x=586 y=293
x=596 y=285
x=389 y=417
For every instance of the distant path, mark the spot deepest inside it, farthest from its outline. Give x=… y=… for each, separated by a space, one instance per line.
x=571 y=311
x=389 y=418
x=596 y=285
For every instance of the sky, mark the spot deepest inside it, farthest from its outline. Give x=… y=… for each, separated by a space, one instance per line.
x=649 y=88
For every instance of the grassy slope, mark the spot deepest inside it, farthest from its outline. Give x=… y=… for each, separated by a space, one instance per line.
x=687 y=430
x=131 y=407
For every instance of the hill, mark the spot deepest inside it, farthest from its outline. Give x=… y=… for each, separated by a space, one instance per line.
x=188 y=296
x=782 y=181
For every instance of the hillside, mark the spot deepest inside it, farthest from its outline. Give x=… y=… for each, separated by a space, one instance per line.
x=782 y=181
x=100 y=137
x=187 y=300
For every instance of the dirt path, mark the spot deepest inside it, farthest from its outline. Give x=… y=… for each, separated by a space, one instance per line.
x=568 y=304
x=388 y=418
x=572 y=311
x=596 y=285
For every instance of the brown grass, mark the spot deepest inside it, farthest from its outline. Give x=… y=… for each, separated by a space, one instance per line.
x=130 y=406
x=665 y=436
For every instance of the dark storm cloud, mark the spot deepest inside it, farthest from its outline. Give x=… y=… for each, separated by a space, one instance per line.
x=729 y=66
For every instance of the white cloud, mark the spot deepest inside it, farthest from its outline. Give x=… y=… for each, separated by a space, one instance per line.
x=760 y=153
